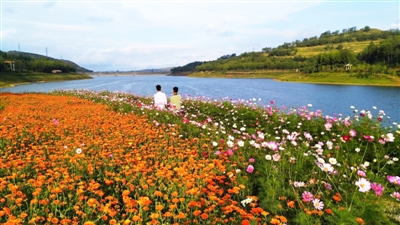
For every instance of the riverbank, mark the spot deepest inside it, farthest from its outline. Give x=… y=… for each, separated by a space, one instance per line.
x=315 y=78
x=11 y=78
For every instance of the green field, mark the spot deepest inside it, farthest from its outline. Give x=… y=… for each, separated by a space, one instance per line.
x=315 y=50
x=323 y=78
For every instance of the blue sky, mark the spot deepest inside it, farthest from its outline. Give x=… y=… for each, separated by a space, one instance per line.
x=134 y=35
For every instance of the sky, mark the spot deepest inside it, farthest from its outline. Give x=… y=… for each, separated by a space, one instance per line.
x=129 y=35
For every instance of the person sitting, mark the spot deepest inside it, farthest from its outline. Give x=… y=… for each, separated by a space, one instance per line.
x=160 y=99
x=175 y=100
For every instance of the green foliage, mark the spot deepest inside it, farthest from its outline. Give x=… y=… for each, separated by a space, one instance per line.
x=190 y=67
x=25 y=62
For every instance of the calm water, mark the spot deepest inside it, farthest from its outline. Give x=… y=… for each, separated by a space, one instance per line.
x=331 y=99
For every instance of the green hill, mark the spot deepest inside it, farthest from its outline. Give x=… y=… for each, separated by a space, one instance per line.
x=363 y=54
x=38 y=56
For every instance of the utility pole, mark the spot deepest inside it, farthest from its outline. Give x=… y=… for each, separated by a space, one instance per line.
x=46 y=51
x=19 y=48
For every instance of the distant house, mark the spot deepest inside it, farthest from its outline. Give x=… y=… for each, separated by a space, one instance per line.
x=11 y=63
x=56 y=71
x=348 y=66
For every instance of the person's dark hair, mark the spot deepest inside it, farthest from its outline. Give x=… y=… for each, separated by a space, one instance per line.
x=175 y=89
x=158 y=87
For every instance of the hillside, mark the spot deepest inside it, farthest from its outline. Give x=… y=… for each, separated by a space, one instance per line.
x=38 y=56
x=365 y=52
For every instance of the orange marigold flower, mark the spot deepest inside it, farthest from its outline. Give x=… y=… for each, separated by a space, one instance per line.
x=275 y=221
x=167 y=214
x=290 y=204
x=89 y=223
x=126 y=193
x=126 y=222
x=283 y=219
x=329 y=211
x=204 y=216
x=181 y=215
x=337 y=197
x=159 y=207
x=196 y=212
x=54 y=220
x=136 y=218
x=360 y=221
x=245 y=222
x=158 y=193
x=113 y=221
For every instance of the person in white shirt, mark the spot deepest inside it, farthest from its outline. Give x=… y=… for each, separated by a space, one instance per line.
x=160 y=99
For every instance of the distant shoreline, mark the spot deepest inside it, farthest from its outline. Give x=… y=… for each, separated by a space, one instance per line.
x=126 y=74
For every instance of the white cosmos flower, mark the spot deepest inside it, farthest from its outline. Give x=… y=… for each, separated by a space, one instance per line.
x=241 y=143
x=268 y=157
x=332 y=161
x=363 y=185
x=78 y=151
x=327 y=167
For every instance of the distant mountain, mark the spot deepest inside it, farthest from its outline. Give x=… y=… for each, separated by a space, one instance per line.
x=161 y=70
x=37 y=56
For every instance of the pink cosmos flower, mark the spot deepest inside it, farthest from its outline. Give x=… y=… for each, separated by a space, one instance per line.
x=276 y=157
x=55 y=121
x=328 y=126
x=396 y=195
x=318 y=204
x=251 y=160
x=250 y=169
x=378 y=188
x=394 y=179
x=307 y=196
x=353 y=133
x=361 y=173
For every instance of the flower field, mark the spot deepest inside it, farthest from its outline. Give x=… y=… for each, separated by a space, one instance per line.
x=84 y=157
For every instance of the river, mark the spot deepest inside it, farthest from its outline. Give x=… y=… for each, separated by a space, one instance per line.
x=331 y=99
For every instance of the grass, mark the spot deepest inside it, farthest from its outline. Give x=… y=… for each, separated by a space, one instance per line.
x=11 y=78
x=322 y=78
x=315 y=50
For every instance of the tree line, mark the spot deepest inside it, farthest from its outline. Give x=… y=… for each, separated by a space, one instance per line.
x=25 y=62
x=383 y=58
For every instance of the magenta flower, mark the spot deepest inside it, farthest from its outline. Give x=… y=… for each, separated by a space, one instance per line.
x=307 y=196
x=250 y=169
x=251 y=160
x=345 y=138
x=378 y=188
x=353 y=133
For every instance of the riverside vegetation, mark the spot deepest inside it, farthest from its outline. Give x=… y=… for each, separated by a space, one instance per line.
x=87 y=157
x=366 y=57
x=29 y=68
